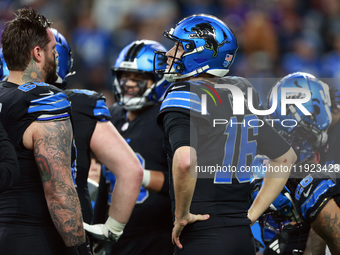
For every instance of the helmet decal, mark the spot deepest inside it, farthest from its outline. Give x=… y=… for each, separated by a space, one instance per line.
x=207 y=32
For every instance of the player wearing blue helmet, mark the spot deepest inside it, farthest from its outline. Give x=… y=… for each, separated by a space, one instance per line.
x=325 y=229
x=209 y=46
x=282 y=228
x=316 y=194
x=210 y=208
x=306 y=133
x=139 y=58
x=139 y=92
x=94 y=133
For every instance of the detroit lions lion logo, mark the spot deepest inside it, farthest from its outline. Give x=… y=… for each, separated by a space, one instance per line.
x=207 y=32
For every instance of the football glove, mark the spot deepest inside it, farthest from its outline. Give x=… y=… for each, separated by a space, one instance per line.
x=104 y=234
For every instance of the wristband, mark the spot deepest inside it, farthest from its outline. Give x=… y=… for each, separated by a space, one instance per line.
x=113 y=229
x=146 y=178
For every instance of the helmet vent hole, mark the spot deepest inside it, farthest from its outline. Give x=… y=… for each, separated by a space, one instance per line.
x=316 y=109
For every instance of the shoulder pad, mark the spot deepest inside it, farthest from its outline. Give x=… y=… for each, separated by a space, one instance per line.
x=180 y=96
x=89 y=103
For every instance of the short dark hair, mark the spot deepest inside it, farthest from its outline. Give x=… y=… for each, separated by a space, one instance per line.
x=26 y=31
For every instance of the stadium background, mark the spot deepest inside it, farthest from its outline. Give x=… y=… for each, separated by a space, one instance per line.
x=276 y=37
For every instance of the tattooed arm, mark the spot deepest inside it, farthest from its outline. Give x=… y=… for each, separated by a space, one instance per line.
x=51 y=143
x=327 y=226
x=315 y=244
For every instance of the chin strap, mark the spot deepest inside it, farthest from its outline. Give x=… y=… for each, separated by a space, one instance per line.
x=171 y=77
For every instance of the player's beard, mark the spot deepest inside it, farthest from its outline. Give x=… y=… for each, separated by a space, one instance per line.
x=50 y=68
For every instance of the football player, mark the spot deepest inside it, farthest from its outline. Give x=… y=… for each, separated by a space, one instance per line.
x=41 y=213
x=138 y=92
x=210 y=207
x=325 y=229
x=94 y=133
x=315 y=195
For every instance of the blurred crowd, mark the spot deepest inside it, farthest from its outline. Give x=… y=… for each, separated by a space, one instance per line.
x=275 y=37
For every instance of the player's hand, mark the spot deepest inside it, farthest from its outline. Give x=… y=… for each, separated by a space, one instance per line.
x=100 y=235
x=179 y=224
x=252 y=219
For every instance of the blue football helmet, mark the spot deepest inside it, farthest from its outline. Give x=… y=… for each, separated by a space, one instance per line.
x=3 y=67
x=281 y=212
x=310 y=131
x=139 y=57
x=65 y=60
x=209 y=47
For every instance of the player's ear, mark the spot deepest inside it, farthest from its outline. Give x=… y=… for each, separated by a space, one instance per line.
x=37 y=53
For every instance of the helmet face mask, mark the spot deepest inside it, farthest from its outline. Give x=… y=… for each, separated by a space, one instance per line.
x=302 y=141
x=310 y=132
x=209 y=47
x=136 y=62
x=133 y=86
x=282 y=211
x=133 y=91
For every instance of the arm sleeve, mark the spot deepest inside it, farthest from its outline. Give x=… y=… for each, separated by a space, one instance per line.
x=180 y=129
x=9 y=167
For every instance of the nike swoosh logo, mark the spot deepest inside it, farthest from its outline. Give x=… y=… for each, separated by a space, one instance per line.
x=177 y=87
x=307 y=192
x=47 y=94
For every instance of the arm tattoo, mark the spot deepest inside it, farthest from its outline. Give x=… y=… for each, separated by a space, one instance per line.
x=32 y=73
x=56 y=145
x=52 y=152
x=61 y=214
x=44 y=167
x=330 y=226
x=315 y=244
